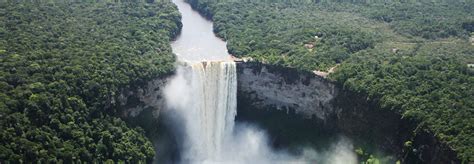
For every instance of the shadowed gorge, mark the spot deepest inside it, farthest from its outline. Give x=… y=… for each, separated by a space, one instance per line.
x=328 y=112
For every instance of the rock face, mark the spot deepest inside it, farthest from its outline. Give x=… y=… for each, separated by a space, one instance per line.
x=267 y=91
x=317 y=104
x=132 y=102
x=144 y=107
x=286 y=89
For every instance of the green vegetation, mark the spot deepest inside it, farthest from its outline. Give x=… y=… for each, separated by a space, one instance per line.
x=62 y=65
x=411 y=57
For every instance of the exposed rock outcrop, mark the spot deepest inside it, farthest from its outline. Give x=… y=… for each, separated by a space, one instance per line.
x=132 y=102
x=286 y=89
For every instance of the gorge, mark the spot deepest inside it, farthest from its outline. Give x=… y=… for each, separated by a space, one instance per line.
x=281 y=114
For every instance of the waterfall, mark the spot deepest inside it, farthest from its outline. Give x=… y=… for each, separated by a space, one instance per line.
x=203 y=98
x=205 y=95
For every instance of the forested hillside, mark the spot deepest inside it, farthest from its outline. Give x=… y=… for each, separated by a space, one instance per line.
x=410 y=57
x=61 y=65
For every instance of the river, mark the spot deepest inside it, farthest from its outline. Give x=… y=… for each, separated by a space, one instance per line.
x=197 y=41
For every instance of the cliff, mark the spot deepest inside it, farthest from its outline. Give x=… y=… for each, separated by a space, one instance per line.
x=285 y=89
x=295 y=105
x=282 y=98
x=133 y=101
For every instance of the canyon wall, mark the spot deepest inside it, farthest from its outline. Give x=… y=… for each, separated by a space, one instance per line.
x=144 y=106
x=302 y=106
x=286 y=89
x=131 y=102
x=266 y=91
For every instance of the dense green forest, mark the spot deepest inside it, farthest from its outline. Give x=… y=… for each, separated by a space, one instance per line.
x=411 y=57
x=62 y=64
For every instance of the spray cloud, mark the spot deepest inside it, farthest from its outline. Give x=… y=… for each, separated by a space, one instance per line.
x=204 y=94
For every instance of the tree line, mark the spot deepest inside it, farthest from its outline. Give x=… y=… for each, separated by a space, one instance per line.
x=61 y=66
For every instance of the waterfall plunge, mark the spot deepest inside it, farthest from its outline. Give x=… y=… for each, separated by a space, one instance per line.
x=215 y=93
x=204 y=93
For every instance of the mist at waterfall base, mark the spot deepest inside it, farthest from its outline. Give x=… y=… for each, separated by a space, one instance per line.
x=201 y=100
